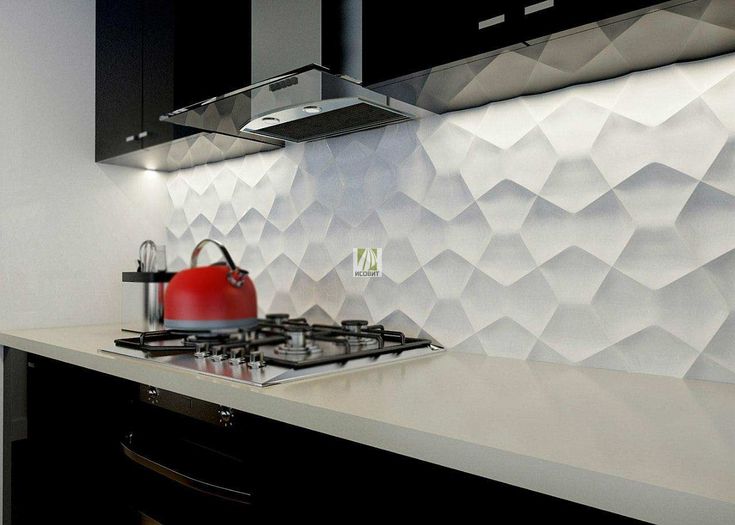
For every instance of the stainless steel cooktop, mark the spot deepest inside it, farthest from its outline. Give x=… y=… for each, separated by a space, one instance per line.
x=279 y=349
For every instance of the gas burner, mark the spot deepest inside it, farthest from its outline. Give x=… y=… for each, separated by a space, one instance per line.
x=353 y=341
x=353 y=333
x=354 y=325
x=297 y=343
x=287 y=349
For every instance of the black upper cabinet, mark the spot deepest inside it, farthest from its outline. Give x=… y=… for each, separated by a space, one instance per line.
x=154 y=56
x=400 y=38
x=119 y=87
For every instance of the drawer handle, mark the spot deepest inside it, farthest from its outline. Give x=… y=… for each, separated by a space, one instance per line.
x=539 y=6
x=182 y=478
x=484 y=24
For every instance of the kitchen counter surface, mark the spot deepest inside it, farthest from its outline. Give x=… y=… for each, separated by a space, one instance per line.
x=655 y=448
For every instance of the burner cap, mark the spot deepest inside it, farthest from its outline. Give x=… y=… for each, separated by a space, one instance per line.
x=276 y=317
x=354 y=326
x=297 y=327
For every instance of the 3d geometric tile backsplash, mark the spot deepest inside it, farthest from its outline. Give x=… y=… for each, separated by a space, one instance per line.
x=594 y=225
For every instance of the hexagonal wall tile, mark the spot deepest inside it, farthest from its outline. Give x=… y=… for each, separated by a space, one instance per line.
x=722 y=273
x=656 y=257
x=720 y=172
x=706 y=222
x=578 y=173
x=399 y=260
x=692 y=309
x=642 y=99
x=506 y=205
x=653 y=350
x=575 y=332
x=506 y=338
x=416 y=297
x=573 y=127
x=448 y=274
x=448 y=322
x=467 y=234
x=506 y=259
x=624 y=306
x=574 y=275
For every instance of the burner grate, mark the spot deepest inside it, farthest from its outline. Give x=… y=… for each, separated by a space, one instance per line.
x=282 y=341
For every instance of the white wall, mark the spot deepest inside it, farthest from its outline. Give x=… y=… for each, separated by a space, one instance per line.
x=68 y=226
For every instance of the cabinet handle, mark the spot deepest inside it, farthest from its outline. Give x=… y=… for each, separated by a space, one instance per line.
x=484 y=24
x=184 y=479
x=539 y=6
x=139 y=136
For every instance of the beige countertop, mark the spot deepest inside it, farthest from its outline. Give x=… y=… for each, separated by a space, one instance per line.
x=655 y=448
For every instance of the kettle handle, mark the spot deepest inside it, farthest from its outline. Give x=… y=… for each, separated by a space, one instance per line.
x=236 y=276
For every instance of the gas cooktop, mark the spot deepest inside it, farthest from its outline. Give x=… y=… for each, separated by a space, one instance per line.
x=277 y=350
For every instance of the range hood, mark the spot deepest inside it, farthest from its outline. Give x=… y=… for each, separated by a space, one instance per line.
x=305 y=104
x=307 y=90
x=311 y=89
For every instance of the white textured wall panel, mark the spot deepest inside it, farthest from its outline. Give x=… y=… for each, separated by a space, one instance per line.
x=593 y=225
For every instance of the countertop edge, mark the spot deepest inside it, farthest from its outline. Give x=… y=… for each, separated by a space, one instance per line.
x=620 y=495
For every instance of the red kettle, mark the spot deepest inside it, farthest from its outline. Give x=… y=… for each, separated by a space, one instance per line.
x=216 y=297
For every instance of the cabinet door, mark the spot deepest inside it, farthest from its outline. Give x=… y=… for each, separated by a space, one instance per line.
x=405 y=37
x=72 y=456
x=400 y=38
x=190 y=54
x=118 y=77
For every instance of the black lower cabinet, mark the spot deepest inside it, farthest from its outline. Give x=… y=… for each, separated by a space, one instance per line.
x=68 y=468
x=104 y=450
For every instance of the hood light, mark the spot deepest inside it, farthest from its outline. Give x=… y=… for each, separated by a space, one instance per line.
x=312 y=109
x=271 y=120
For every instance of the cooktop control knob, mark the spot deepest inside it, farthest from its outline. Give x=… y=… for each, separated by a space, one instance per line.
x=256 y=360
x=236 y=354
x=202 y=350
x=218 y=353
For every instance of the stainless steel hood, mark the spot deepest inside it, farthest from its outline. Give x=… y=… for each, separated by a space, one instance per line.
x=308 y=103
x=294 y=96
